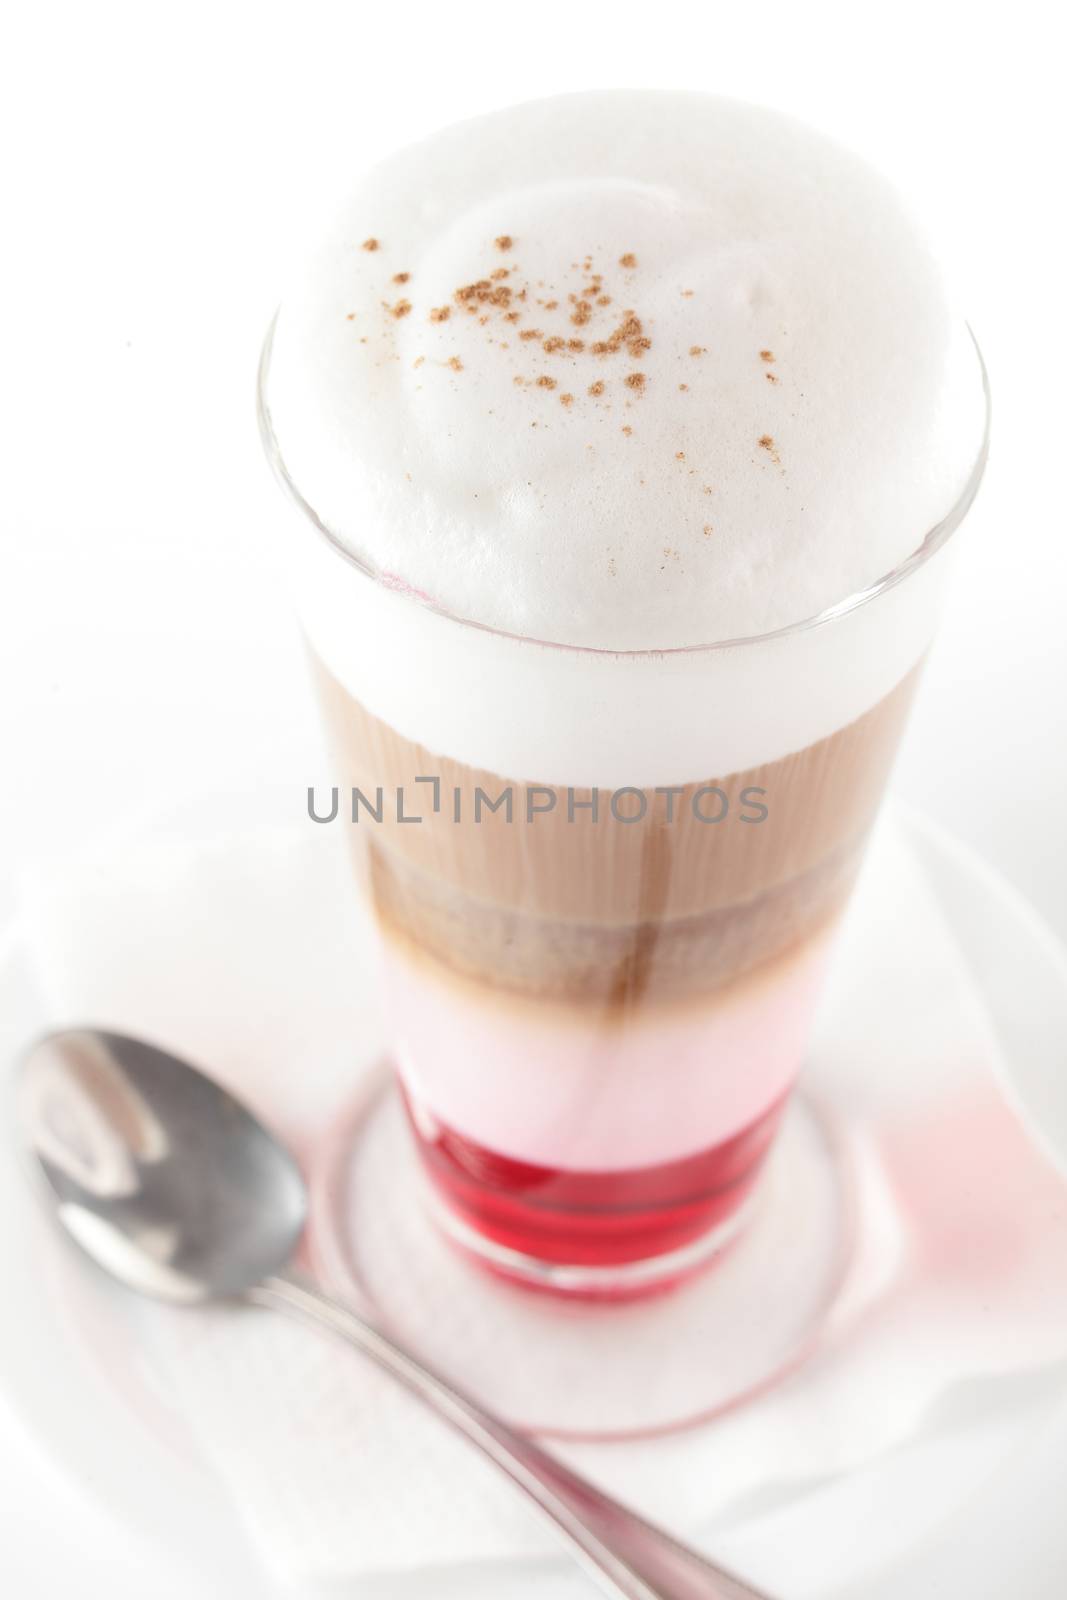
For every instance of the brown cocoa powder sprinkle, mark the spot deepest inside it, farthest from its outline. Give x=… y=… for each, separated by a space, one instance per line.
x=401 y=309
x=766 y=442
x=545 y=382
x=596 y=390
x=455 y=363
x=566 y=399
x=627 y=428
x=770 y=377
x=628 y=334
x=679 y=455
x=518 y=381
x=401 y=277
x=683 y=388
x=766 y=355
x=696 y=349
x=351 y=317
x=707 y=530
x=628 y=261
x=484 y=293
x=370 y=244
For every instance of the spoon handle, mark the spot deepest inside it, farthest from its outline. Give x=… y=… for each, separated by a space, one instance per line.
x=628 y=1556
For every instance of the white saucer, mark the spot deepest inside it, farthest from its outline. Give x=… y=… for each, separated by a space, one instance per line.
x=71 y=1369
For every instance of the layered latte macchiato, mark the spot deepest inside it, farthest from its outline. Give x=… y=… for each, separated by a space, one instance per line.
x=634 y=426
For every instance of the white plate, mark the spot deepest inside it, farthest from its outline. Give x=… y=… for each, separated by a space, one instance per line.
x=71 y=1374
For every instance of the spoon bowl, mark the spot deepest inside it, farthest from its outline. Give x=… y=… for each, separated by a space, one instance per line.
x=163 y=1178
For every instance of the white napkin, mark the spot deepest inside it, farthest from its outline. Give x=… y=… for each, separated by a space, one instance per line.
x=247 y=954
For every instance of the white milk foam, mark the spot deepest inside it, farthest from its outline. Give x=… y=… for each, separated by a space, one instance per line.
x=742 y=396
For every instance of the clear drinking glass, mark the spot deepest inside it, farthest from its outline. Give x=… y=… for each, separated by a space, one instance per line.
x=606 y=886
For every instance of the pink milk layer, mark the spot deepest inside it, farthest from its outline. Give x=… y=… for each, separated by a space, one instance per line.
x=573 y=1088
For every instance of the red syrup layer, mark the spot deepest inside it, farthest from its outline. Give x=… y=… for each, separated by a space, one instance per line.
x=592 y=1219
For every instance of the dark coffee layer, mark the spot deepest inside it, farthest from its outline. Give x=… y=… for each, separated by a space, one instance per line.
x=607 y=964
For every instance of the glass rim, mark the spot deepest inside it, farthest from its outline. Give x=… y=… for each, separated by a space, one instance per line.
x=934 y=540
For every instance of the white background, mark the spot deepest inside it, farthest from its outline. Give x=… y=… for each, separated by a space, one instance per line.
x=162 y=165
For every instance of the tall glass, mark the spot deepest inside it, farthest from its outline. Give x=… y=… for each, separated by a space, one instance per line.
x=606 y=886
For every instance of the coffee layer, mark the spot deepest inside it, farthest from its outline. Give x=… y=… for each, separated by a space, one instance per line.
x=566 y=903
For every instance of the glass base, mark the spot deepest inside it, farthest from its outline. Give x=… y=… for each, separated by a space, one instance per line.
x=577 y=1367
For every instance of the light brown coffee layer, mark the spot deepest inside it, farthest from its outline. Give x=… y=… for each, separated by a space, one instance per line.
x=566 y=904
x=564 y=864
